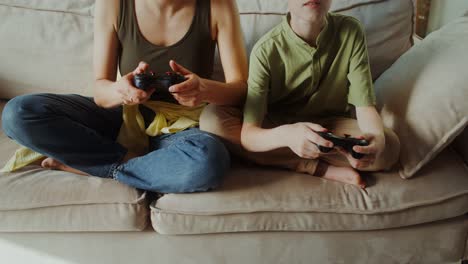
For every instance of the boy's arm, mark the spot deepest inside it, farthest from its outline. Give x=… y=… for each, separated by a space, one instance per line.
x=362 y=96
x=300 y=137
x=257 y=139
x=372 y=128
x=371 y=125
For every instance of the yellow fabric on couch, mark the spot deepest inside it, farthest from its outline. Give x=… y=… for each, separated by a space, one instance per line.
x=133 y=135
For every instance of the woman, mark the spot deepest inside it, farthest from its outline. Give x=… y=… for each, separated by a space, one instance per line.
x=79 y=134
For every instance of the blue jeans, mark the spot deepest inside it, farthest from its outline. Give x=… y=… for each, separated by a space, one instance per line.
x=75 y=131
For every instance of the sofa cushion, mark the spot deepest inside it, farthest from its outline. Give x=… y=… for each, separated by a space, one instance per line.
x=46 y=47
x=39 y=200
x=262 y=199
x=423 y=95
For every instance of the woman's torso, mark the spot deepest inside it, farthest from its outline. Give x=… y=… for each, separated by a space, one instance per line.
x=195 y=50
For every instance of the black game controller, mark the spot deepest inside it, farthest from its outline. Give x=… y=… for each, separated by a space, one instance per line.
x=161 y=82
x=346 y=142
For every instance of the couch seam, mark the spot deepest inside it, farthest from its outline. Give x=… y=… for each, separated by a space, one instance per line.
x=139 y=201
x=358 y=5
x=332 y=11
x=47 y=10
x=459 y=195
x=156 y=225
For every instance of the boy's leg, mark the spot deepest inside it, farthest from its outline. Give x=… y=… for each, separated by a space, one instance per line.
x=187 y=161
x=226 y=122
x=69 y=128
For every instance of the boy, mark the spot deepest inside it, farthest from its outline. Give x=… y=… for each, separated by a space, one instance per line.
x=304 y=76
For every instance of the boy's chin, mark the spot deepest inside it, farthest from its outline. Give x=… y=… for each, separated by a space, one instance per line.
x=311 y=16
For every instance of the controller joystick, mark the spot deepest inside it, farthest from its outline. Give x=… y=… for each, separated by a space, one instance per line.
x=347 y=143
x=161 y=82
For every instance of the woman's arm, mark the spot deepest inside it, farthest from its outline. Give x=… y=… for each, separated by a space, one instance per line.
x=227 y=32
x=107 y=92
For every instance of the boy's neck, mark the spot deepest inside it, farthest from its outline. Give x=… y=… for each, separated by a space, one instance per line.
x=307 y=30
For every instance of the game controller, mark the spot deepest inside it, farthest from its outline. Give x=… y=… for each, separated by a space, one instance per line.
x=346 y=142
x=161 y=82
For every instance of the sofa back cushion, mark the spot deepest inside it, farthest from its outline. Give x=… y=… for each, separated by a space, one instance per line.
x=422 y=97
x=47 y=44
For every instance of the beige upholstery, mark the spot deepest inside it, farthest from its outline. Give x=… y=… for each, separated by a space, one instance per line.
x=439 y=242
x=38 y=200
x=461 y=145
x=56 y=36
x=50 y=41
x=423 y=95
x=254 y=199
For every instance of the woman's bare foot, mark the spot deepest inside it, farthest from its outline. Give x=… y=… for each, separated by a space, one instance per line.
x=50 y=163
x=342 y=174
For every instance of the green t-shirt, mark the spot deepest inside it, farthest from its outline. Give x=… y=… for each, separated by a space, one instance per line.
x=291 y=81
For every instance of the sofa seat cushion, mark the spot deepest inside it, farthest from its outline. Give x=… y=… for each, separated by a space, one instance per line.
x=263 y=199
x=39 y=200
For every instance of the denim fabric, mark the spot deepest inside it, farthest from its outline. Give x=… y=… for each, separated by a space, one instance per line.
x=75 y=131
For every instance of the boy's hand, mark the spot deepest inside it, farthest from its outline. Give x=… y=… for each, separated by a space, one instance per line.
x=303 y=140
x=374 y=149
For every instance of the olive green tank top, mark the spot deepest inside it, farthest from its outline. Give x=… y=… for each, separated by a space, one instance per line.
x=195 y=51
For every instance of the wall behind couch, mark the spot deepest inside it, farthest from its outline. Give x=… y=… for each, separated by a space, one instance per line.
x=444 y=11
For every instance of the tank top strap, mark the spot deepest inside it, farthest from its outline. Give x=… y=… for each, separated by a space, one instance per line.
x=126 y=20
x=203 y=16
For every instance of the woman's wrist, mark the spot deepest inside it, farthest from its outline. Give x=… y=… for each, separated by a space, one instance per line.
x=204 y=90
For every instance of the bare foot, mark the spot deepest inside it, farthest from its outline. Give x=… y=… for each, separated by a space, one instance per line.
x=343 y=174
x=50 y=163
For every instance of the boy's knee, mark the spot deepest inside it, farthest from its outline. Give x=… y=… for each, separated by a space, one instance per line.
x=390 y=155
x=223 y=121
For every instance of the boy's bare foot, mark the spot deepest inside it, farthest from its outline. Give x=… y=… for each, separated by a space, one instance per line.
x=341 y=174
x=50 y=163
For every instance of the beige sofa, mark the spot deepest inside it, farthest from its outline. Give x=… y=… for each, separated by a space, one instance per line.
x=259 y=215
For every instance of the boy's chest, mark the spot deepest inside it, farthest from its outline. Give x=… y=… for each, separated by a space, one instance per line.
x=303 y=75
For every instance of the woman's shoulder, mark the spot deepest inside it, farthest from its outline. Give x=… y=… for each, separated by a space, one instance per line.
x=223 y=10
x=107 y=10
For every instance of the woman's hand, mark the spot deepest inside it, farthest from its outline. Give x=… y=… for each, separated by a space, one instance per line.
x=129 y=94
x=189 y=93
x=371 y=152
x=303 y=140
